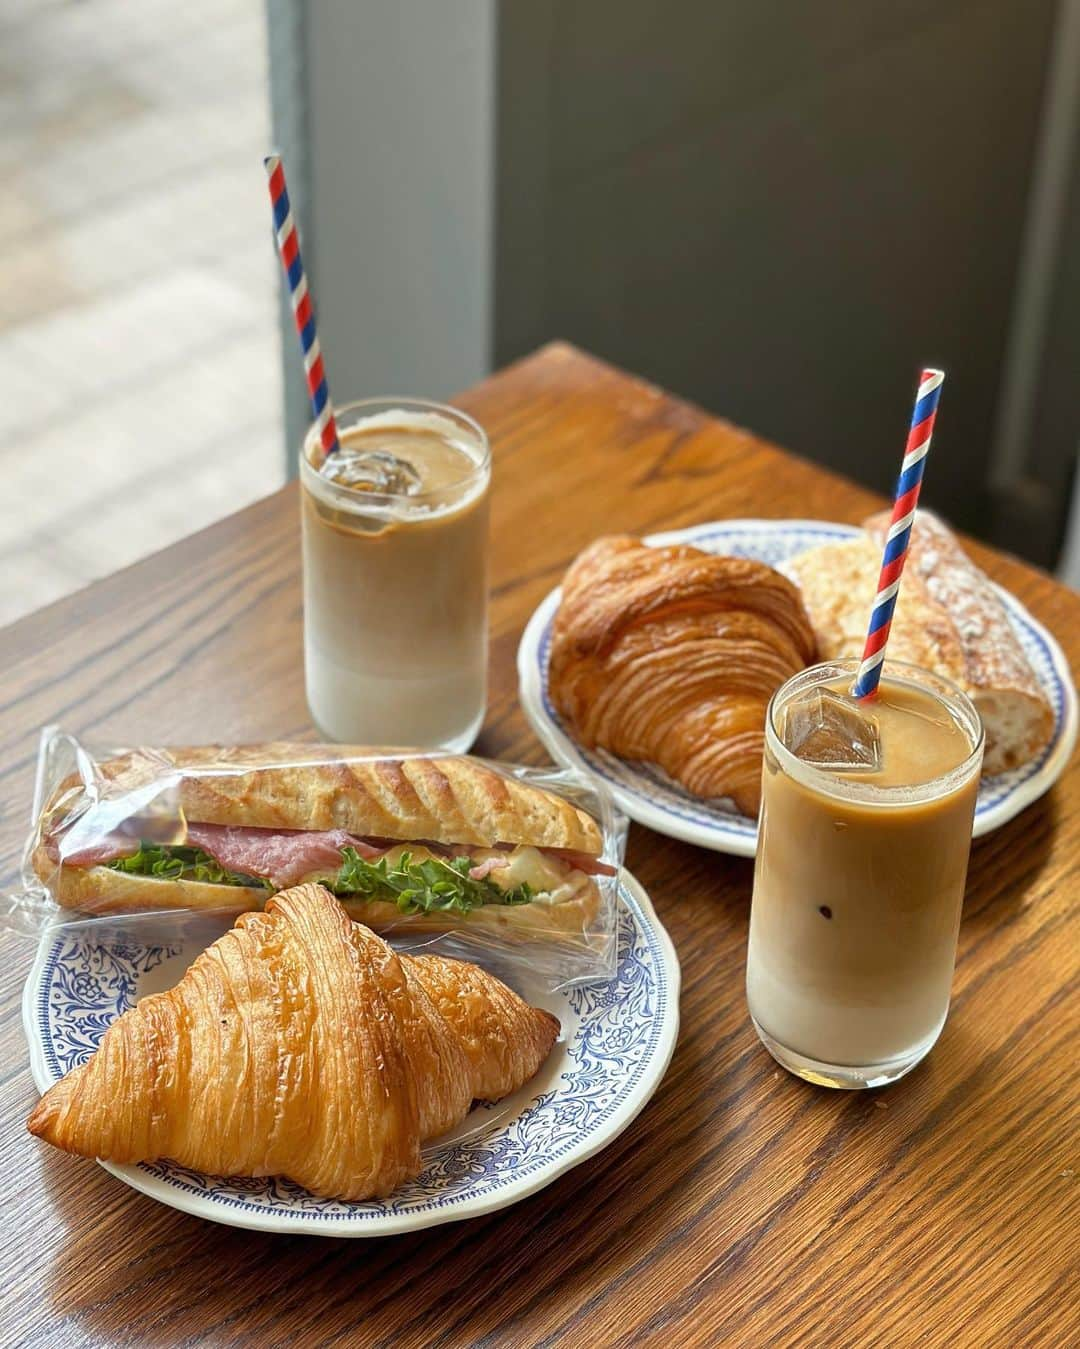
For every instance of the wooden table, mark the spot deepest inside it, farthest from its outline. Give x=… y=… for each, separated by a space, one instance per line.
x=742 y=1207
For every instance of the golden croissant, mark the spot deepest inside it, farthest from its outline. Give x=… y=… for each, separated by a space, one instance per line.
x=300 y=1045
x=671 y=655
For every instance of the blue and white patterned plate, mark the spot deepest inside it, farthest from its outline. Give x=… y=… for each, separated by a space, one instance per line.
x=617 y=1040
x=649 y=796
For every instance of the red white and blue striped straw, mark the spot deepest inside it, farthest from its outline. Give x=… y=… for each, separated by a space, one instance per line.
x=899 y=536
x=288 y=242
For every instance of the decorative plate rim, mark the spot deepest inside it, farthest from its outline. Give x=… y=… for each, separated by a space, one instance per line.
x=736 y=834
x=641 y=1087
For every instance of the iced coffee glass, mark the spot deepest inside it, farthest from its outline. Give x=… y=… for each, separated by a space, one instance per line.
x=861 y=864
x=395 y=537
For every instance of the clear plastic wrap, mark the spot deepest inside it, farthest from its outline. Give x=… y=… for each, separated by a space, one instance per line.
x=125 y=840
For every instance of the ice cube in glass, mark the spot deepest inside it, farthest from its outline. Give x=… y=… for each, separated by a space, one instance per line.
x=379 y=471
x=827 y=730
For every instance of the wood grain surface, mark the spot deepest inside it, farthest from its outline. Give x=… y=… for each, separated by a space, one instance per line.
x=742 y=1207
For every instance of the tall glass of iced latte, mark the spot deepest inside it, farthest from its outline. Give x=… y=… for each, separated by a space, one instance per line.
x=395 y=535
x=862 y=857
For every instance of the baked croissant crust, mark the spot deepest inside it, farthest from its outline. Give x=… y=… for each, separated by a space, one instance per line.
x=671 y=655
x=300 y=1045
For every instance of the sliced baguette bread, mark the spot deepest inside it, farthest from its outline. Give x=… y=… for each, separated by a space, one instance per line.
x=401 y=796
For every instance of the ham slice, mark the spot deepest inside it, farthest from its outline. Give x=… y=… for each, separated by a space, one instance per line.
x=487 y=866
x=282 y=856
x=105 y=849
x=285 y=856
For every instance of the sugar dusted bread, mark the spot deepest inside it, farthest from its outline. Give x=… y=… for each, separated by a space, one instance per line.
x=948 y=619
x=838 y=582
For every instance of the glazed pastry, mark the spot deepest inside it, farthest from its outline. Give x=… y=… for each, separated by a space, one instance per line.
x=300 y=1045
x=948 y=619
x=671 y=655
x=426 y=840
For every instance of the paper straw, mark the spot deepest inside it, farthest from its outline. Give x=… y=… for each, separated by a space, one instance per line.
x=899 y=536
x=288 y=242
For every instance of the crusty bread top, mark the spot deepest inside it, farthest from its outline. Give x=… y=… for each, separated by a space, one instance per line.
x=838 y=582
x=404 y=796
x=992 y=656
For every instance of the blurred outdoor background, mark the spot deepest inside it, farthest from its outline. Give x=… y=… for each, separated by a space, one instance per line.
x=778 y=211
x=140 y=377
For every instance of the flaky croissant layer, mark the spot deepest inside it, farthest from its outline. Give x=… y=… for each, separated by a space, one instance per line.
x=671 y=655
x=299 y=1045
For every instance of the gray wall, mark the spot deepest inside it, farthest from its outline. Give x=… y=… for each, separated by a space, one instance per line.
x=286 y=33
x=778 y=210
x=398 y=243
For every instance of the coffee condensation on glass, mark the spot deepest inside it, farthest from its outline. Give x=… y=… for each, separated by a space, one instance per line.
x=860 y=875
x=395 y=535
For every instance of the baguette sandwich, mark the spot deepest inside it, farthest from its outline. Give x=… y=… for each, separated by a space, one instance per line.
x=435 y=842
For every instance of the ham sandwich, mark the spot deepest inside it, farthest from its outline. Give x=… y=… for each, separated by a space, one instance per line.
x=432 y=842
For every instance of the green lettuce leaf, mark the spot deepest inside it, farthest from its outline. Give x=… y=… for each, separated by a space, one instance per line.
x=174 y=863
x=433 y=885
